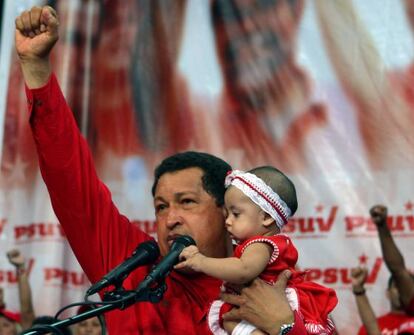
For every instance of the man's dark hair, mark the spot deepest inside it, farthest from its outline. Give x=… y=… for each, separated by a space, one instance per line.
x=279 y=183
x=214 y=171
x=48 y=320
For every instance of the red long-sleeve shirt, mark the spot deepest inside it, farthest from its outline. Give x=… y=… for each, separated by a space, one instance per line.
x=99 y=235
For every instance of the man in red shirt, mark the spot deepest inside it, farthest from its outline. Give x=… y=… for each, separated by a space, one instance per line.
x=393 y=259
x=188 y=196
x=387 y=324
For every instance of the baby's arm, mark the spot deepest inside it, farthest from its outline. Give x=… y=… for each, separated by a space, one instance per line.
x=234 y=270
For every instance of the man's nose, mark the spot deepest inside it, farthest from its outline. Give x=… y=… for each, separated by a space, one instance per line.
x=174 y=217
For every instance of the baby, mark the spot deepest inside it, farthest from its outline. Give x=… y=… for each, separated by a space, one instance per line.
x=258 y=204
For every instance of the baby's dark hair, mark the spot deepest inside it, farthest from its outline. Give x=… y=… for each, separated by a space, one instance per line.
x=279 y=183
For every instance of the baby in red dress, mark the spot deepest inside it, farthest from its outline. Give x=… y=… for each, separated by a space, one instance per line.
x=258 y=204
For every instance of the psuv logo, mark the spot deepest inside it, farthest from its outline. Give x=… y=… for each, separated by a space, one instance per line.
x=340 y=277
x=10 y=276
x=317 y=226
x=61 y=277
x=38 y=232
x=399 y=224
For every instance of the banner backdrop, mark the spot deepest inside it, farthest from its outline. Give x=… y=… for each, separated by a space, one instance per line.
x=323 y=90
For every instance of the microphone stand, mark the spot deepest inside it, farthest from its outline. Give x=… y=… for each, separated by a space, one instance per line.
x=148 y=290
x=151 y=289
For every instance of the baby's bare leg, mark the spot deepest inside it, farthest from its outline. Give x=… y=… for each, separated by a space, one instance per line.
x=229 y=326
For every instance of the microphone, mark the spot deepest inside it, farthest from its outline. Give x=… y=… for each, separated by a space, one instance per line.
x=163 y=268
x=146 y=253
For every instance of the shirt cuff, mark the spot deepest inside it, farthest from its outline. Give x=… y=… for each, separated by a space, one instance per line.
x=35 y=96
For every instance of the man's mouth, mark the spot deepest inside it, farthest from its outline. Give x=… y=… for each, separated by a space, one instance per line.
x=171 y=238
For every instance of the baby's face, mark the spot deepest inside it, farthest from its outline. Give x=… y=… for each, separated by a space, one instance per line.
x=244 y=219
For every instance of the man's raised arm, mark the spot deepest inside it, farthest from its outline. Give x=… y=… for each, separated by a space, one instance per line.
x=99 y=235
x=393 y=258
x=366 y=313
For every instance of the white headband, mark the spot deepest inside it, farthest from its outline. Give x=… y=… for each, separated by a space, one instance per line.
x=261 y=194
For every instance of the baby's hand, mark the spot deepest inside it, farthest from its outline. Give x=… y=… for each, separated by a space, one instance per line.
x=190 y=258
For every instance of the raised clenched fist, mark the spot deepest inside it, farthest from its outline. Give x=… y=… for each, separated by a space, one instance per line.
x=36 y=33
x=379 y=215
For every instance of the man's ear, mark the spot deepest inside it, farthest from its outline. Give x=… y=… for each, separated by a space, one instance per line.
x=267 y=220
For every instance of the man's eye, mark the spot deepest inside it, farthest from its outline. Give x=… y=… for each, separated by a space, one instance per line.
x=160 y=207
x=187 y=201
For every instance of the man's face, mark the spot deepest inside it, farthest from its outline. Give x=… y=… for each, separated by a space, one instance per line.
x=394 y=297
x=89 y=327
x=183 y=207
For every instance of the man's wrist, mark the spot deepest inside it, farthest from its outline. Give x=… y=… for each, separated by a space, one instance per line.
x=282 y=325
x=20 y=270
x=358 y=290
x=382 y=224
x=36 y=72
